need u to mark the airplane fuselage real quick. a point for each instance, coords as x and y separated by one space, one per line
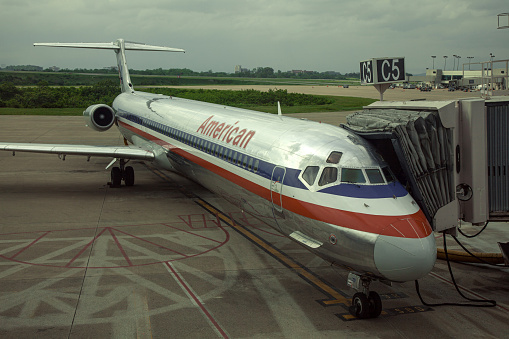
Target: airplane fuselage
318 184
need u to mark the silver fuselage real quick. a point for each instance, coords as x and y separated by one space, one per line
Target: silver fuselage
257 161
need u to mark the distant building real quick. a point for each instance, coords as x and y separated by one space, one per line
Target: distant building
239 69
473 79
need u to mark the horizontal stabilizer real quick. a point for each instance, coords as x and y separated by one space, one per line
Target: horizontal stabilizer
132 46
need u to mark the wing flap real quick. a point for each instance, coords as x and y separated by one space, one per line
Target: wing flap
120 152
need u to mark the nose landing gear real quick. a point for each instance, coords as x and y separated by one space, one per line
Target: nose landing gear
120 173
365 304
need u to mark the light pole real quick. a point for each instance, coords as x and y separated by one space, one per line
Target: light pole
445 61
454 61
469 62
433 57
458 67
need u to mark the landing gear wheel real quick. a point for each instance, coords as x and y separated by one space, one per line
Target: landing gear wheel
360 306
129 176
116 177
375 304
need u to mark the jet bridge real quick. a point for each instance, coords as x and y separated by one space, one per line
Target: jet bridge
451 155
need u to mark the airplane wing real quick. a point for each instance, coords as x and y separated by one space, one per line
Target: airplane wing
123 152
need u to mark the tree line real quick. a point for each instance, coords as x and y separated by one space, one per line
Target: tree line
257 72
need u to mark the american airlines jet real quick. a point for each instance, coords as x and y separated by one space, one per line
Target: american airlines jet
317 184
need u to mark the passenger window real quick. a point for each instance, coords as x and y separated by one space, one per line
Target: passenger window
329 175
334 157
310 173
388 174
374 176
352 175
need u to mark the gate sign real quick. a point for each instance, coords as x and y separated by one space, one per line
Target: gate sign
382 70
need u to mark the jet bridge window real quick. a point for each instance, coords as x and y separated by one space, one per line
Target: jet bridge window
310 173
374 176
329 175
352 175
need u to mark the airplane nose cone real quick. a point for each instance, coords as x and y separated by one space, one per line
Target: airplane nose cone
405 259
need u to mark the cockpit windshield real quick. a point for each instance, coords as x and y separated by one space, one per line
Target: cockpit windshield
334 157
329 174
352 175
388 174
310 173
374 176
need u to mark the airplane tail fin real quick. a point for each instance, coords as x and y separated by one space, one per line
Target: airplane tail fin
119 46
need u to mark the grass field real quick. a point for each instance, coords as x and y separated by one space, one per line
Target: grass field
338 104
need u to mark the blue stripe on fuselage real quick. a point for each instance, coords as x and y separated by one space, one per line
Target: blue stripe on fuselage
394 189
264 168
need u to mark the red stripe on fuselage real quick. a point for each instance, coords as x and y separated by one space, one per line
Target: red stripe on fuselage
409 226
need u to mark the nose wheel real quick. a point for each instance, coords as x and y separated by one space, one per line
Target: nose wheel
366 304
125 173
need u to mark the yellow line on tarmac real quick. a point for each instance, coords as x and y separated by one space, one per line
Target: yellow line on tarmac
336 297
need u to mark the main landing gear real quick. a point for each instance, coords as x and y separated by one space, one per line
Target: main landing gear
365 304
120 173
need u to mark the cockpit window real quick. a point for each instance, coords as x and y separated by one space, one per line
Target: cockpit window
334 157
310 174
329 175
388 174
374 176
352 175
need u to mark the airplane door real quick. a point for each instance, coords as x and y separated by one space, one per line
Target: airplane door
276 190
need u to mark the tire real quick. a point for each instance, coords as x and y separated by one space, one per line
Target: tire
360 306
129 176
116 177
375 304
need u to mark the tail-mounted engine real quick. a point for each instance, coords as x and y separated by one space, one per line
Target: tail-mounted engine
99 117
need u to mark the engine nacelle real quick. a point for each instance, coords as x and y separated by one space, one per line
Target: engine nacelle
99 117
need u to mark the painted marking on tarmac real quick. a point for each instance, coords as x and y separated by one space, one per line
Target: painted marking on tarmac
390 312
129 245
196 300
334 296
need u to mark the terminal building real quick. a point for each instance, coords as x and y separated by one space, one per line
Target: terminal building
491 76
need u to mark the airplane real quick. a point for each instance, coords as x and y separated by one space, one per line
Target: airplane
319 185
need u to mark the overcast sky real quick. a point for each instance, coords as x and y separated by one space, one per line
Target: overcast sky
320 35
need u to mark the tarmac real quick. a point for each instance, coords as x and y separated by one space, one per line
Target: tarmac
167 258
